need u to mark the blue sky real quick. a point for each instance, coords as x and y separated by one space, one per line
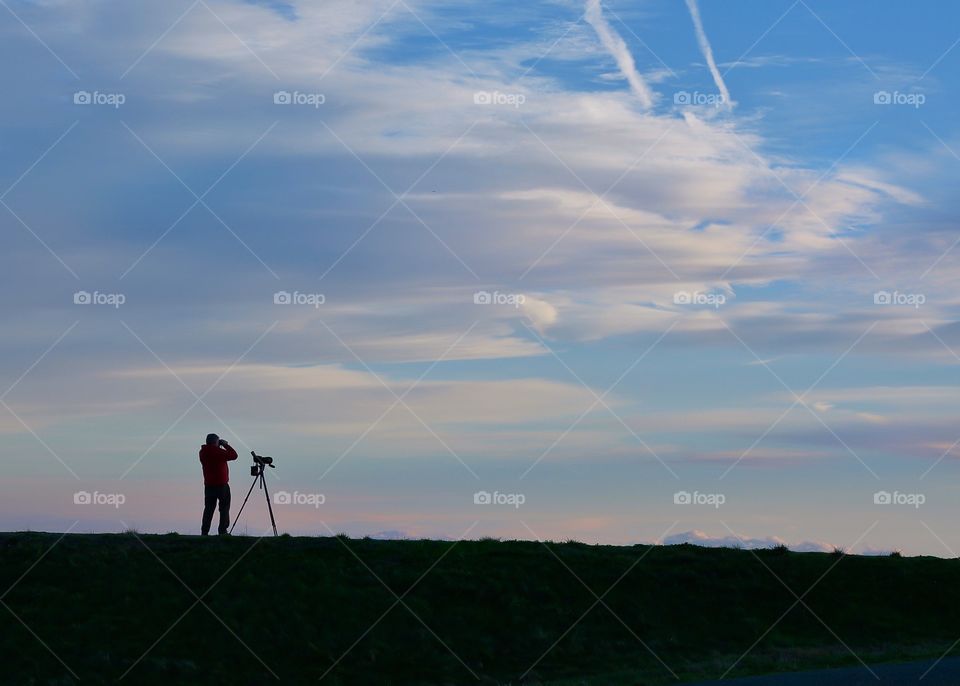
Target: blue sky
575 161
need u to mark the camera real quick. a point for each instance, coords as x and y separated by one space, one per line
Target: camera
259 462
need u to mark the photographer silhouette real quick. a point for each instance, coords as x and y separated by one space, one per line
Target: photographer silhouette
214 456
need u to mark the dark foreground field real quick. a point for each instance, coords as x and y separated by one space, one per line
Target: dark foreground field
180 609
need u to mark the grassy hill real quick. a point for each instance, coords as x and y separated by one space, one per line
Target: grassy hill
513 612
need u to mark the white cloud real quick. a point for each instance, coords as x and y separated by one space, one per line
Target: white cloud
618 49
541 313
708 52
696 537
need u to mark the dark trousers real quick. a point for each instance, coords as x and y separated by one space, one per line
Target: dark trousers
212 495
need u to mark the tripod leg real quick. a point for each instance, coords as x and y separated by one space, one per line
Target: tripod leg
240 511
263 482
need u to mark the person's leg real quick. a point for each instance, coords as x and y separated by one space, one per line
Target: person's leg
209 503
224 509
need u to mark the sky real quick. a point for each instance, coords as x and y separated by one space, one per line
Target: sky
610 271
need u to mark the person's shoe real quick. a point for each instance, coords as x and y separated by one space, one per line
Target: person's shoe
204 533
223 533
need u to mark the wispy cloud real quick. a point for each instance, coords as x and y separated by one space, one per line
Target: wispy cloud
708 52
615 46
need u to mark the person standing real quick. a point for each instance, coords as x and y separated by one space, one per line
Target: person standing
214 455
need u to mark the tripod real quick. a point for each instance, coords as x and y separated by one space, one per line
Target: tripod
259 462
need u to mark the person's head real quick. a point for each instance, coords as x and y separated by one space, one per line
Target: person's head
212 439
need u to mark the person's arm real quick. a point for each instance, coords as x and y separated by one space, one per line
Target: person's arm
231 454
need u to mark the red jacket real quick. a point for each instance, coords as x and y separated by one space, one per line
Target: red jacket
214 460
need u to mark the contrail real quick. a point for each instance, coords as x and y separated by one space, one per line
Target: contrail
708 52
615 46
